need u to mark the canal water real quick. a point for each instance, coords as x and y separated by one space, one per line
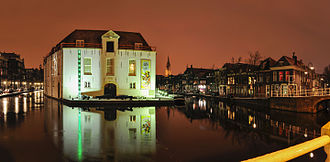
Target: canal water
34 128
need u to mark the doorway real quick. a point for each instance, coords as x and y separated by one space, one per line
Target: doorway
110 90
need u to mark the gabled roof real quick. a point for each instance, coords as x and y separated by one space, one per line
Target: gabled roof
267 63
288 61
239 67
94 36
200 72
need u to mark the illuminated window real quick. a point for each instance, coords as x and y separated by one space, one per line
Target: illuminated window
110 47
132 68
80 43
287 75
132 118
110 67
274 76
281 75
231 80
87 66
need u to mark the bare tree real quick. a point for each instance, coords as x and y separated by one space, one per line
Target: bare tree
326 73
237 61
255 58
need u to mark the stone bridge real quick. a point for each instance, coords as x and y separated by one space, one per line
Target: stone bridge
309 104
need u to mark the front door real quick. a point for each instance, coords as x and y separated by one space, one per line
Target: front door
110 90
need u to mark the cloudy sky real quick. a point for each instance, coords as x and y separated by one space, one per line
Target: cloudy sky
204 33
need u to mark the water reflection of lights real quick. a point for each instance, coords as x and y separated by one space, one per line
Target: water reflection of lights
24 104
5 106
311 154
305 134
231 115
16 105
254 125
202 104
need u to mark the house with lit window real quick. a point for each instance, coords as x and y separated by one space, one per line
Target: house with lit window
237 79
286 77
100 62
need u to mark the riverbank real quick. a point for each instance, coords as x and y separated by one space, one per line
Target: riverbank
309 104
109 103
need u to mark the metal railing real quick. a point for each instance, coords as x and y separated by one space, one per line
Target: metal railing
299 149
302 93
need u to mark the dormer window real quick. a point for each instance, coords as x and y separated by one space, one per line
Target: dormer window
138 46
80 43
110 46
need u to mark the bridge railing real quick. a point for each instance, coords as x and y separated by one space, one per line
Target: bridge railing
300 149
302 93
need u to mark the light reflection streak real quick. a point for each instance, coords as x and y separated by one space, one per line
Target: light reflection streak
16 105
79 149
24 104
5 106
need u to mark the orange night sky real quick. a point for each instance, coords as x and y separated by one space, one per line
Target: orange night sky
204 33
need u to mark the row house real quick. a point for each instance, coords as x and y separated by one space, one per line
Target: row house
237 79
286 77
13 73
198 80
193 80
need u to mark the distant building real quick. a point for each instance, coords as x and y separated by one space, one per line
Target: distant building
100 62
285 77
237 79
168 68
34 77
198 80
12 70
193 80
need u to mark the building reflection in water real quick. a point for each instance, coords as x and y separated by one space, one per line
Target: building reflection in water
14 108
278 125
102 135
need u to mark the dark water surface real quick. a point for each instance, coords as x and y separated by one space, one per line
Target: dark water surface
34 128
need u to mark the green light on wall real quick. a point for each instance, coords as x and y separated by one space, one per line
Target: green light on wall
79 72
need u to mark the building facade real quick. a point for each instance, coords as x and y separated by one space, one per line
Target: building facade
12 70
237 79
286 77
100 62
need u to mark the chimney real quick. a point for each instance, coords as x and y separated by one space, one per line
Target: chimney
190 66
295 58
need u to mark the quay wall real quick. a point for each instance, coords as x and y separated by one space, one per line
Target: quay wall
312 104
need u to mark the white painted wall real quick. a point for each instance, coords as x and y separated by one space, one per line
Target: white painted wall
70 71
122 70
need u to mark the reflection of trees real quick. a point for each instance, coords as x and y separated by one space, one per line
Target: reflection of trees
243 124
